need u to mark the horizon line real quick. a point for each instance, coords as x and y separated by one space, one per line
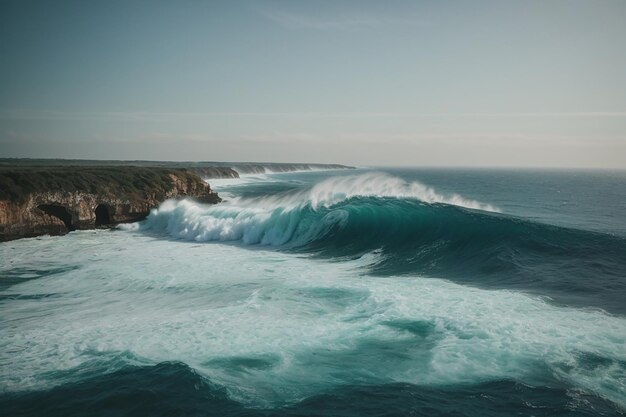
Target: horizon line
30 114
355 166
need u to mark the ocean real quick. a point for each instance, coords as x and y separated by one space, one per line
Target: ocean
367 292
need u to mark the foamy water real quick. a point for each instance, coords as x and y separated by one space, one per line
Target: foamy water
364 280
274 327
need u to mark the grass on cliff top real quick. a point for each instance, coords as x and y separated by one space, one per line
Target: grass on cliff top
17 182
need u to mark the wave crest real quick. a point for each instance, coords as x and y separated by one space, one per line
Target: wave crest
375 184
296 217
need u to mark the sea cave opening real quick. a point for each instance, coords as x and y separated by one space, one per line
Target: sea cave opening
59 212
103 215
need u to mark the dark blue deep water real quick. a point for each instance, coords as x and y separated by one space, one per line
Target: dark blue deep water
369 292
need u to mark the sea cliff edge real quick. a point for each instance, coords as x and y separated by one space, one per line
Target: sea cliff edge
55 200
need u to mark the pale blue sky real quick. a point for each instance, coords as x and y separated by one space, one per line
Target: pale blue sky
448 83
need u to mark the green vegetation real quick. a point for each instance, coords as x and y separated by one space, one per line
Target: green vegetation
16 182
20 177
226 167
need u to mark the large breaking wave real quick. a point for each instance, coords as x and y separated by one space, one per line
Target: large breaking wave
288 217
412 229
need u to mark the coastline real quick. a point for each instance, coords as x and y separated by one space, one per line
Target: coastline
52 196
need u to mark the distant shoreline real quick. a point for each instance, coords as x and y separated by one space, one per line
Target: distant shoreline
240 167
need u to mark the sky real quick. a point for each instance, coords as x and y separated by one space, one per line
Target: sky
408 83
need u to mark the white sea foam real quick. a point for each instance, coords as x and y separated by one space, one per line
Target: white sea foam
334 190
244 171
219 183
274 327
376 184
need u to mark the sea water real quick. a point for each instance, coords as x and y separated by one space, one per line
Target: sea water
357 292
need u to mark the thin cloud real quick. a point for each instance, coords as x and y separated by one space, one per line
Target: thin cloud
518 138
544 114
22 114
344 22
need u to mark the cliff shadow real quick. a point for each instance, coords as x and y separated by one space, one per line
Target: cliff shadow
103 215
59 212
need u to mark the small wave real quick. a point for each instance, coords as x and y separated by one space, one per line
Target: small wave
179 390
218 183
275 168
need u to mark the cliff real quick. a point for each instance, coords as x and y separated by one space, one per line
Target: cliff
54 200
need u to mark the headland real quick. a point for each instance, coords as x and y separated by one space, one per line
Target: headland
56 196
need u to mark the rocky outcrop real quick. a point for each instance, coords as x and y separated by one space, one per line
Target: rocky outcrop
76 198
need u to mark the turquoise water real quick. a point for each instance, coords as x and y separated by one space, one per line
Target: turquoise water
361 292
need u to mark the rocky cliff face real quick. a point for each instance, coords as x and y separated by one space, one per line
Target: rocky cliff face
58 210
